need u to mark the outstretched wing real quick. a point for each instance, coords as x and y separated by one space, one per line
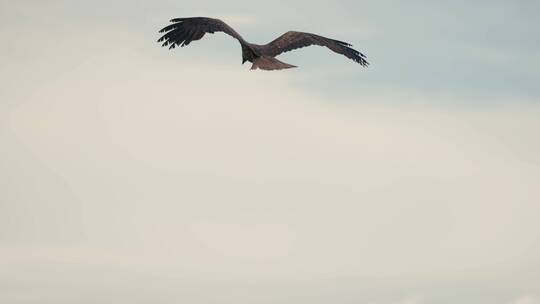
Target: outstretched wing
295 40
183 31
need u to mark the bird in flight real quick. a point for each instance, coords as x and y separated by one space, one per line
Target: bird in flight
183 31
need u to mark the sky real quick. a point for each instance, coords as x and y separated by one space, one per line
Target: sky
130 173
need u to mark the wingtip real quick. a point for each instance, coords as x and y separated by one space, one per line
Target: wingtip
343 43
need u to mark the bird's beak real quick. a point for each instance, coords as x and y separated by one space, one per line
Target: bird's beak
243 60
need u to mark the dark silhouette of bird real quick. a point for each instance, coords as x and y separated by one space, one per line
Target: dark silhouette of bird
183 31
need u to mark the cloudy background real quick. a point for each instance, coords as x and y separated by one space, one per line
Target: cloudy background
131 174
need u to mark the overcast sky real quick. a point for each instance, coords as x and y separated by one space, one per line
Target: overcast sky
133 174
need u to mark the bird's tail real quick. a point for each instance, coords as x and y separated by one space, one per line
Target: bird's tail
270 63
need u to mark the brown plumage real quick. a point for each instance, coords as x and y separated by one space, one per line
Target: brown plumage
183 31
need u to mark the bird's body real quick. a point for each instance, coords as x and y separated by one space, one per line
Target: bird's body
183 31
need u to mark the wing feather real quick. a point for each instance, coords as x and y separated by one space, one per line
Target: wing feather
295 40
183 31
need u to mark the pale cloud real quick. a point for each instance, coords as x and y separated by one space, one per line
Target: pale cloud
239 19
527 299
444 168
410 300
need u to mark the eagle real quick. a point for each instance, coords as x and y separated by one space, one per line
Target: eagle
183 31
